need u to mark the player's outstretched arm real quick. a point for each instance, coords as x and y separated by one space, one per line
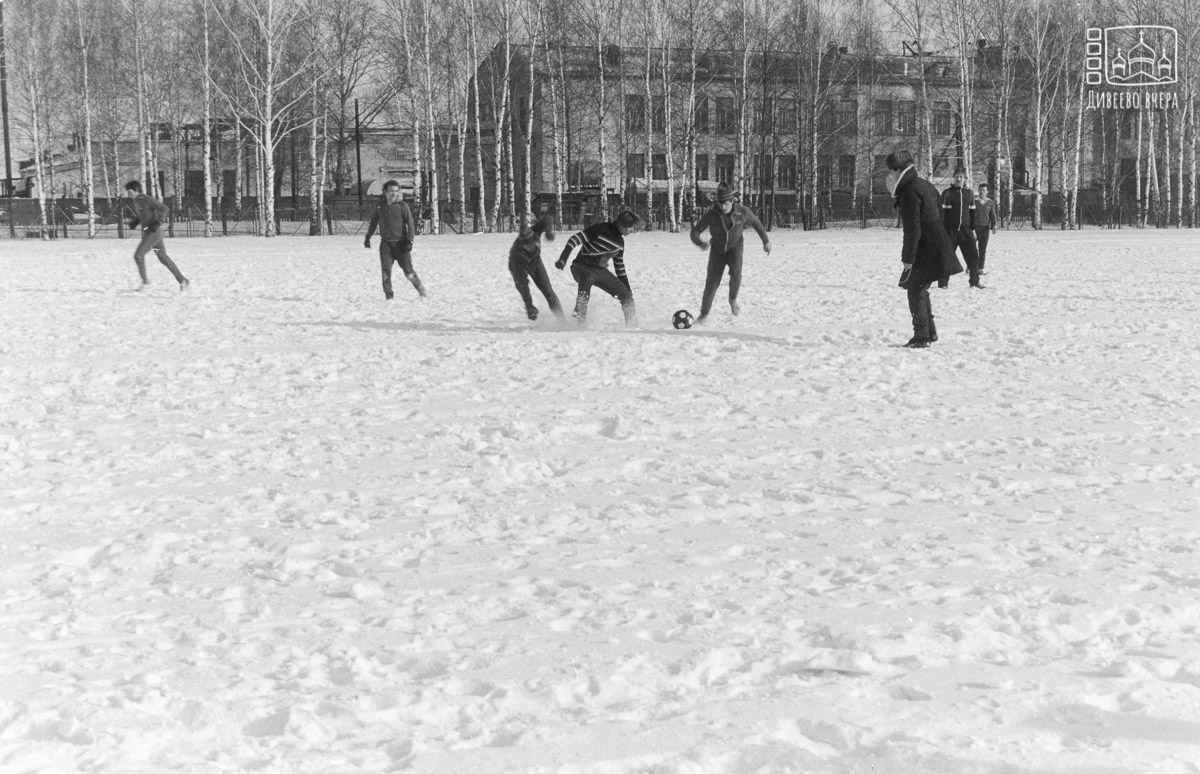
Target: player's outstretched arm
565 255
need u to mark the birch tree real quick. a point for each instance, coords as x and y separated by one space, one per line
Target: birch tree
663 19
556 84
914 20
84 33
601 15
352 61
473 38
264 33
206 124
695 19
35 87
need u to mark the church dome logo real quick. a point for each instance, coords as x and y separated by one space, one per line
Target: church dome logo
1133 55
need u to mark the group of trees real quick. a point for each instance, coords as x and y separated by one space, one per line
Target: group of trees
88 74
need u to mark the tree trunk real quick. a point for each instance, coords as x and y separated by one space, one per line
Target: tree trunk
1075 221
647 170
480 202
140 79
554 113
89 193
206 129
1183 121
743 102
673 223
239 162
527 167
601 114
500 121
38 155
316 224
434 197
1141 199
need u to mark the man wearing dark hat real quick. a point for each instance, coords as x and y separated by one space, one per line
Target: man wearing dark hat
725 221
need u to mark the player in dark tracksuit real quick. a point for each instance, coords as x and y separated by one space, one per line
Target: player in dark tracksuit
149 213
985 222
396 228
525 263
725 222
958 215
598 244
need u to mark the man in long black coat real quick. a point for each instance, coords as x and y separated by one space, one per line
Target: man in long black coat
927 254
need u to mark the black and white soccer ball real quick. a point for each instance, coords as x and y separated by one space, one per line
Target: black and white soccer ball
682 319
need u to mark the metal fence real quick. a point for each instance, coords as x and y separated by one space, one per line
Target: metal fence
67 218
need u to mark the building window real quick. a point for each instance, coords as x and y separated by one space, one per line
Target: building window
906 118
883 117
765 115
701 166
942 119
845 173
787 172
658 119
727 122
725 168
635 164
659 166
635 113
824 171
785 117
702 115
845 116
575 174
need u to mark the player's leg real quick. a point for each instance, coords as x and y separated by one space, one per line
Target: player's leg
520 277
612 285
386 257
537 271
734 259
712 281
584 293
145 245
406 266
918 307
160 250
966 243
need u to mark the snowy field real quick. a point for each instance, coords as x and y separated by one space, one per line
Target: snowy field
277 524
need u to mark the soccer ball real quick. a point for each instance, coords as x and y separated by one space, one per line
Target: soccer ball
682 319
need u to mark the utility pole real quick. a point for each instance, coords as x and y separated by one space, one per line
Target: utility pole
8 186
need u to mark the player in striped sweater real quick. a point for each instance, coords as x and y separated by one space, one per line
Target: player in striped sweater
598 244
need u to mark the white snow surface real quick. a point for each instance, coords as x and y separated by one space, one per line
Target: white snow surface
278 524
